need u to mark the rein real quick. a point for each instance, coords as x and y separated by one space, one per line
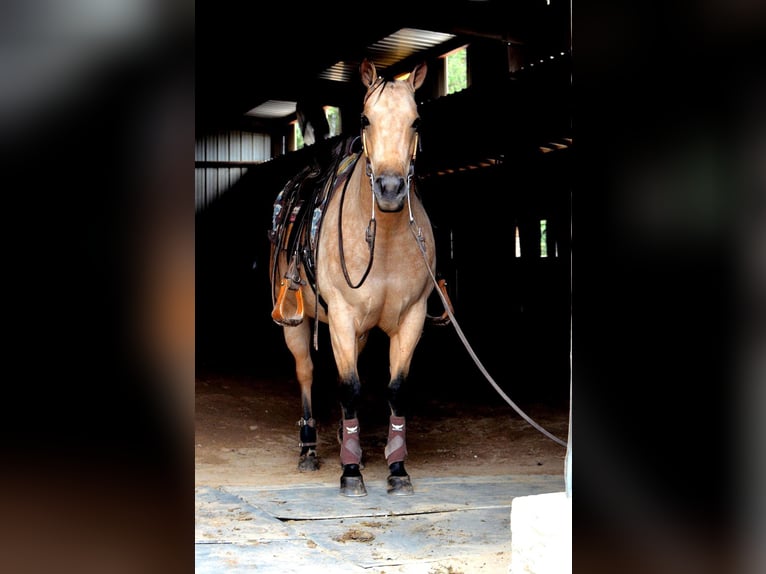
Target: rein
447 308
372 226
369 234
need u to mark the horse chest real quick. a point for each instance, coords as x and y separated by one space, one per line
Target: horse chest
378 302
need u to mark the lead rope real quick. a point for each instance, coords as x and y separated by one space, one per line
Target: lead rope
419 238
421 244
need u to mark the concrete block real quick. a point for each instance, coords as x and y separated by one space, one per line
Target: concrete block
541 534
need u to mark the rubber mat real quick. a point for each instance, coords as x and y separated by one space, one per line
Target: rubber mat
310 528
431 495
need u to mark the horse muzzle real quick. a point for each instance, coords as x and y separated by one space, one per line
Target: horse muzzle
390 192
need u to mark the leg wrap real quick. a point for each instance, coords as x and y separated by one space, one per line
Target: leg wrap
350 449
396 448
308 434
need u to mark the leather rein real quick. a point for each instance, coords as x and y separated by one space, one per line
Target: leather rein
372 226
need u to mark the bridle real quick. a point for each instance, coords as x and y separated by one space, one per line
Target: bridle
372 226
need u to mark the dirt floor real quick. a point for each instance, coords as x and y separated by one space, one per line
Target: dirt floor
247 434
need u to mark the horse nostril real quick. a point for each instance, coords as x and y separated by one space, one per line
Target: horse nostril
391 184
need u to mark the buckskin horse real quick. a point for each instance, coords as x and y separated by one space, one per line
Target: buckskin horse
352 246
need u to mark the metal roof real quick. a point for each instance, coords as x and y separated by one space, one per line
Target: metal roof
388 51
385 52
273 109
245 58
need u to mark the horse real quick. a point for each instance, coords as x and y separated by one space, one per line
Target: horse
353 247
312 121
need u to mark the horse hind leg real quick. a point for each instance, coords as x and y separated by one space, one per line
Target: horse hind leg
298 341
308 459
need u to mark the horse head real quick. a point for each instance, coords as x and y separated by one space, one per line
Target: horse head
390 134
312 121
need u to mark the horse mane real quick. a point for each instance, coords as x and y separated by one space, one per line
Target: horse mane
377 87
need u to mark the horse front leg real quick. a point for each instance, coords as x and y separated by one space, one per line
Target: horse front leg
351 481
346 351
298 341
401 351
399 482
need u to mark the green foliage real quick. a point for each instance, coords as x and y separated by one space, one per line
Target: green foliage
457 72
298 136
333 118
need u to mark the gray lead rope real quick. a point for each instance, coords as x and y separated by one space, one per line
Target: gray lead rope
419 238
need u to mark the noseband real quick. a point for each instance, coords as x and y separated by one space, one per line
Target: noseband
370 172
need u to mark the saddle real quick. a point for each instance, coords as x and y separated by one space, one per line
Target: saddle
296 223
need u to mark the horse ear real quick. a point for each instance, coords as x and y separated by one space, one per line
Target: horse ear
418 75
368 73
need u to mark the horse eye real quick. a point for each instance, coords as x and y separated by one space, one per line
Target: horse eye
416 124
365 121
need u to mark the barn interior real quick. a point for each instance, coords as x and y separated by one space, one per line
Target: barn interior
667 225
493 171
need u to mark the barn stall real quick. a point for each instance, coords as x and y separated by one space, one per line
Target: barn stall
494 175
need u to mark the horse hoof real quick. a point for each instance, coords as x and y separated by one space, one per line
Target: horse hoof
400 485
308 462
352 486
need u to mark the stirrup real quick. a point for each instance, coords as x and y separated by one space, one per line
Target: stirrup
288 310
444 319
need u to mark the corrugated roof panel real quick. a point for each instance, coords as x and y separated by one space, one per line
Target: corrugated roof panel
388 51
340 72
385 53
273 109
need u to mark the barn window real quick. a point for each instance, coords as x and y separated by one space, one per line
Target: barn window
543 238
332 114
297 135
456 70
333 118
